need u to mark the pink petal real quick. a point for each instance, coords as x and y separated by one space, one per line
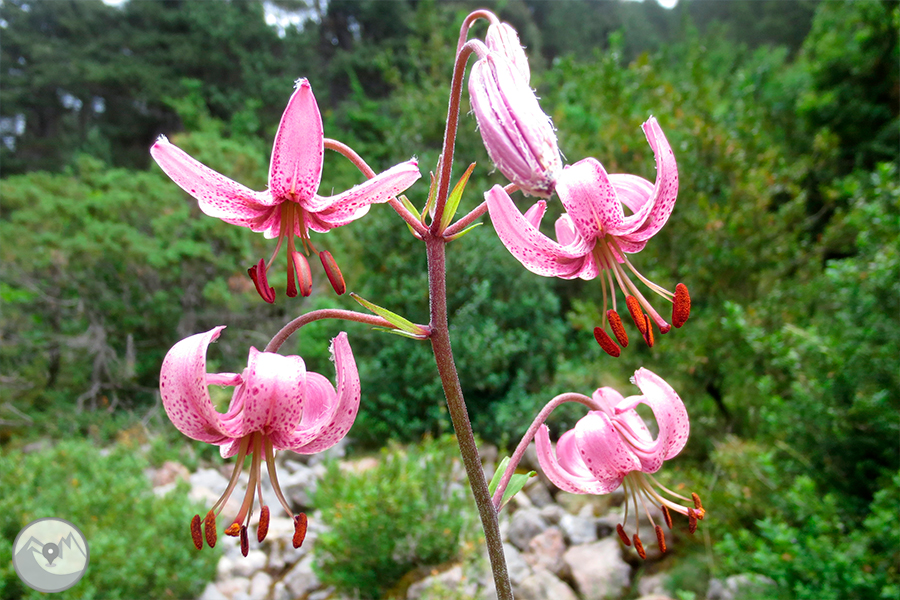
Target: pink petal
184 391
296 168
563 479
380 188
668 409
538 253
602 448
565 230
274 388
607 398
633 192
217 195
535 215
665 191
590 200
328 415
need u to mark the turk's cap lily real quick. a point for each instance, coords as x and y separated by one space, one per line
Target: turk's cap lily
595 235
518 136
613 446
277 405
291 206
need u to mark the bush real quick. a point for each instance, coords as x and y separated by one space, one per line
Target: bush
139 544
405 513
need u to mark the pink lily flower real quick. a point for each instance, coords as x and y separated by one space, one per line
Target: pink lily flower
277 405
291 206
612 447
594 234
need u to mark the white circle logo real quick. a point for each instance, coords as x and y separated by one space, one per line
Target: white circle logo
50 555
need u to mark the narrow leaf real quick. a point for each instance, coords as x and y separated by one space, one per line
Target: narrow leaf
400 332
392 318
463 232
498 475
516 483
455 197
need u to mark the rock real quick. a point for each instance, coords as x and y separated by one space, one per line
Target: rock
525 524
544 585
576 503
578 529
650 585
170 472
298 486
259 586
656 597
278 544
738 586
232 586
250 564
359 465
336 452
301 579
598 569
552 513
452 580
538 493
488 453
545 551
211 592
224 568
516 566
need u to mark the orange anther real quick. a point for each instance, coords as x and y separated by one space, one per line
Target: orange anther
300 523
233 530
681 305
692 521
660 539
667 516
637 315
639 546
647 332
263 524
696 500
606 342
615 323
209 526
621 531
196 534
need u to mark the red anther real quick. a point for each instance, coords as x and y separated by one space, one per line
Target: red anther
660 539
621 531
299 529
681 305
665 328
696 500
639 546
196 534
209 526
637 315
692 521
606 342
333 272
234 529
263 524
245 543
647 332
615 323
304 274
258 275
667 516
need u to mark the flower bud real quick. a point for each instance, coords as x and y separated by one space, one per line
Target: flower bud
502 38
517 134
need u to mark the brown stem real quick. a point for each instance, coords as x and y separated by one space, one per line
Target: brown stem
477 212
317 315
469 21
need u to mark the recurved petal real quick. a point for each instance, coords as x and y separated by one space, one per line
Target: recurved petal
538 253
296 168
328 414
601 446
535 214
589 198
217 195
184 391
665 190
581 483
380 188
274 387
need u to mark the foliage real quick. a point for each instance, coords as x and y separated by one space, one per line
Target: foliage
407 512
138 541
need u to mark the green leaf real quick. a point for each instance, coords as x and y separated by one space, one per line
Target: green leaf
463 232
516 482
411 208
400 332
455 197
392 318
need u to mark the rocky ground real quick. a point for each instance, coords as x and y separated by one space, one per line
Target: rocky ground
557 548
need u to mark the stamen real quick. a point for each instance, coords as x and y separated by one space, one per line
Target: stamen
258 275
648 331
304 274
692 521
234 529
606 342
681 306
615 323
622 535
273 478
697 503
300 523
196 534
661 539
245 543
263 524
637 314
333 272
667 516
209 526
639 547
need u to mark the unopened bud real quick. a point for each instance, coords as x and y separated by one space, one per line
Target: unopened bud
502 38
517 134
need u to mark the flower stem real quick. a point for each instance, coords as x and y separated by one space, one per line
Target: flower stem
443 356
317 315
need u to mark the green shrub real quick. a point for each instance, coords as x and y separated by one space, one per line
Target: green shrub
407 512
140 545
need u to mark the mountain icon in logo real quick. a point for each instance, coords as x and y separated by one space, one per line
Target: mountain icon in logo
50 555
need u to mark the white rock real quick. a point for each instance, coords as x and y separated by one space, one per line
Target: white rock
452 580
232 586
598 569
545 551
211 592
516 566
652 584
525 524
301 579
578 529
259 586
552 513
544 585
538 493
737 586
250 564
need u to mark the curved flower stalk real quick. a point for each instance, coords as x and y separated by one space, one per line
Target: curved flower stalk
612 446
594 235
517 134
277 405
291 206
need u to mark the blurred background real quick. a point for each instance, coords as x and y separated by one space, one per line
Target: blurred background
783 117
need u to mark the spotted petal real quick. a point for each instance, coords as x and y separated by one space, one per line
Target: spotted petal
299 150
538 253
575 477
602 448
273 390
184 391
